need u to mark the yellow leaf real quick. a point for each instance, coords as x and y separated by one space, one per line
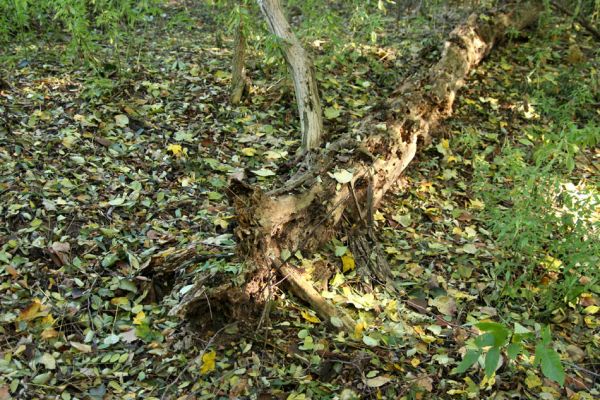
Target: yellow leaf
418 330
208 362
591 322
358 329
176 149
139 318
309 317
49 333
477 204
48 320
532 381
34 310
415 362
591 310
119 301
249 151
348 263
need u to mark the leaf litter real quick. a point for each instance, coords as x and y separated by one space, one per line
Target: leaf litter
98 178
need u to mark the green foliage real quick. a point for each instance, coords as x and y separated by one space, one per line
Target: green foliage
546 225
496 338
88 23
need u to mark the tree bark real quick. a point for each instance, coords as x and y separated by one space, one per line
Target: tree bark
238 71
303 214
302 71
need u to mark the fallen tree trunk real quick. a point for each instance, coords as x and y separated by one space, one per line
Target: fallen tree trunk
303 213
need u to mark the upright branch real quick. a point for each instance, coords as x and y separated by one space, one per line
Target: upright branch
302 70
238 72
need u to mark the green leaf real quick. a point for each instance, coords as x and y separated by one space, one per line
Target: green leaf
546 335
337 322
521 330
491 360
117 201
551 365
498 331
513 350
109 260
331 113
485 340
121 120
470 358
369 341
340 250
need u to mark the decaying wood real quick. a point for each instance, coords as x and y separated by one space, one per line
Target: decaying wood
270 223
305 212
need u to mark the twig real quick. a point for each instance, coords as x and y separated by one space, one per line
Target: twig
583 369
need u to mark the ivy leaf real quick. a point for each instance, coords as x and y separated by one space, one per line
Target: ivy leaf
551 365
470 358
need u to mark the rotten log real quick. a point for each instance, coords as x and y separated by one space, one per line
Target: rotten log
303 214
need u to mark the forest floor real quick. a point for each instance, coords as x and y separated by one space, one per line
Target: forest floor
497 220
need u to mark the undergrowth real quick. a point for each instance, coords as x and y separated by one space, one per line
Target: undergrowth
543 213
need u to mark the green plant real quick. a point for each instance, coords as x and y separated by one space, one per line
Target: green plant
497 338
88 23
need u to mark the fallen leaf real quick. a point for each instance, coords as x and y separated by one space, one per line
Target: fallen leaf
263 172
378 381
348 263
139 318
84 348
121 120
176 150
208 362
342 176
445 304
248 151
309 317
35 310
